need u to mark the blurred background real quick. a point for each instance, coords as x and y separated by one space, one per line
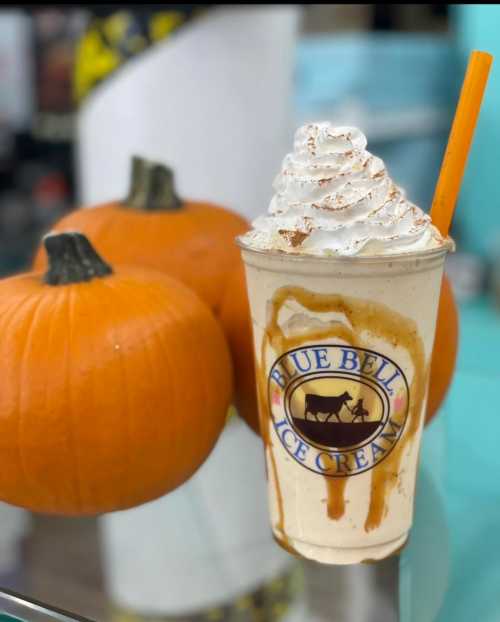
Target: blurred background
217 91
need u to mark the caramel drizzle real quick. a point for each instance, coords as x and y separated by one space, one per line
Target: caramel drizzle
381 322
265 429
335 487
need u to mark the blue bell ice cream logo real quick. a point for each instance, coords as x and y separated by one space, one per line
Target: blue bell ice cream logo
337 410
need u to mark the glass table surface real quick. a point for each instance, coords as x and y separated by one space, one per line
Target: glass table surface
18 608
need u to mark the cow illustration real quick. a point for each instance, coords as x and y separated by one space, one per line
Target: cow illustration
321 404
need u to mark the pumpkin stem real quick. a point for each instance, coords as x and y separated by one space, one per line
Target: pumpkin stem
151 187
72 259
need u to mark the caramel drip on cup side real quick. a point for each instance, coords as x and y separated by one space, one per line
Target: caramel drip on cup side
381 322
335 488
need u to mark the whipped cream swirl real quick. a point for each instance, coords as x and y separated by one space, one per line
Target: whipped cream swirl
333 197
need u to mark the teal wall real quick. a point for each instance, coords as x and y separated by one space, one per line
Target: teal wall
478 210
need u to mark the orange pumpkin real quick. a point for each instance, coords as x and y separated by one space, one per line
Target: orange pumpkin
445 350
153 228
115 383
235 318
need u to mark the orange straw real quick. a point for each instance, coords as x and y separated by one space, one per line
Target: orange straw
459 142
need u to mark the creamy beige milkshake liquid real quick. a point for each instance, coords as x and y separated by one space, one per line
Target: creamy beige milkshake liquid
337 326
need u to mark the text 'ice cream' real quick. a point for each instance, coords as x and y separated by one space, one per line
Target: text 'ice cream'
333 197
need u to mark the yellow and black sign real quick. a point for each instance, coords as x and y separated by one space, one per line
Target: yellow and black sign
111 40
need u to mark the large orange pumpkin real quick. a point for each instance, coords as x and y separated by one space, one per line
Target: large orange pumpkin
153 228
235 318
115 383
445 350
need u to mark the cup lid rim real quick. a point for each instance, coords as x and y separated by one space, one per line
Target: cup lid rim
447 247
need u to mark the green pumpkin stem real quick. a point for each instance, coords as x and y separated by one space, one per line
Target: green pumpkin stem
151 187
72 259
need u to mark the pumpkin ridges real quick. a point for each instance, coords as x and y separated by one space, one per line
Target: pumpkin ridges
190 342
69 480
20 401
119 422
176 396
157 337
106 307
128 413
56 311
71 421
91 386
170 404
20 472
71 431
27 374
12 394
50 336
178 341
167 361
119 427
200 434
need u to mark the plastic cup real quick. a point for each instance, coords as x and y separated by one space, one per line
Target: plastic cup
342 351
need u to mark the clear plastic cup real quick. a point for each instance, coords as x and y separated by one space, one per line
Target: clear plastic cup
342 351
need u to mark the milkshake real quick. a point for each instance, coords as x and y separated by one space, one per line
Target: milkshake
343 277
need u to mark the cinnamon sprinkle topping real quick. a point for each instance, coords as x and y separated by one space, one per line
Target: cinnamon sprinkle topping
293 238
